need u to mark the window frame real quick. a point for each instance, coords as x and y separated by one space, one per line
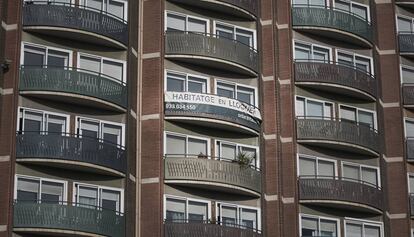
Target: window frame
187 75
316 158
187 200
375 127
235 28
360 166
410 120
402 66
20 115
409 174
318 101
238 147
239 207
312 45
83 4
338 222
186 20
367 7
364 222
41 179
186 136
236 85
406 18
46 48
354 55
101 58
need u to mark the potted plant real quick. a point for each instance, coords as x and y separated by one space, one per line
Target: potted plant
201 156
244 159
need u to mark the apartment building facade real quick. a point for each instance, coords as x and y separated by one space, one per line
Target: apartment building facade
207 118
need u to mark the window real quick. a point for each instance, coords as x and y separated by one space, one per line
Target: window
407 74
183 145
355 172
117 8
409 128
313 167
186 83
242 35
359 10
33 189
110 68
411 183
91 196
318 226
238 216
178 209
311 52
361 117
309 2
405 24
235 91
31 120
179 22
41 56
230 151
314 109
362 229
107 131
356 61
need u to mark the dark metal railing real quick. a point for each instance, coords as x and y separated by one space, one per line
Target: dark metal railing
340 189
334 73
320 128
188 228
408 93
68 216
329 17
409 148
203 168
70 147
406 41
44 13
202 44
411 197
73 80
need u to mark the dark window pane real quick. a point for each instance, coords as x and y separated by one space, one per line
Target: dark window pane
109 204
110 138
33 59
50 198
26 196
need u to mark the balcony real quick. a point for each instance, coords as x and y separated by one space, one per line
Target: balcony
73 86
338 135
205 229
406 43
74 22
336 78
211 174
69 151
339 192
210 51
405 3
240 8
212 111
66 220
333 23
408 95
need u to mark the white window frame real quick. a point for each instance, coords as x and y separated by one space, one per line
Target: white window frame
187 200
319 101
105 8
186 136
41 179
186 20
360 166
371 64
401 71
407 119
338 222
358 4
238 147
256 98
21 110
46 48
316 158
359 109
99 187
124 69
364 222
239 207
312 45
408 182
405 17
235 28
187 75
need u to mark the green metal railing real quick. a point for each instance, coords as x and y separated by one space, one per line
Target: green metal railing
75 81
323 16
406 41
68 216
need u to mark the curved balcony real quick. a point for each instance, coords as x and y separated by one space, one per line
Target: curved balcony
334 23
66 219
206 229
210 51
336 78
212 111
340 192
405 3
240 8
406 43
340 135
74 85
70 151
212 174
74 22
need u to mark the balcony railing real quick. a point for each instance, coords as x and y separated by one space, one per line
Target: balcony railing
214 171
406 42
212 46
338 74
70 147
68 216
408 94
335 130
340 189
67 15
73 81
409 148
206 229
328 17
411 204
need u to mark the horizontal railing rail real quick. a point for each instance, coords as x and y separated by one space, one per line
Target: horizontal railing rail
45 13
408 93
210 170
406 41
340 189
70 147
375 185
330 17
335 73
335 129
204 44
68 216
73 80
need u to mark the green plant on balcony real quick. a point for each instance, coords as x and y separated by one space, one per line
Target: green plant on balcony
244 159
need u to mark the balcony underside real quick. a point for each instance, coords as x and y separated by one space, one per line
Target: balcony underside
337 145
405 3
54 232
337 89
344 205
